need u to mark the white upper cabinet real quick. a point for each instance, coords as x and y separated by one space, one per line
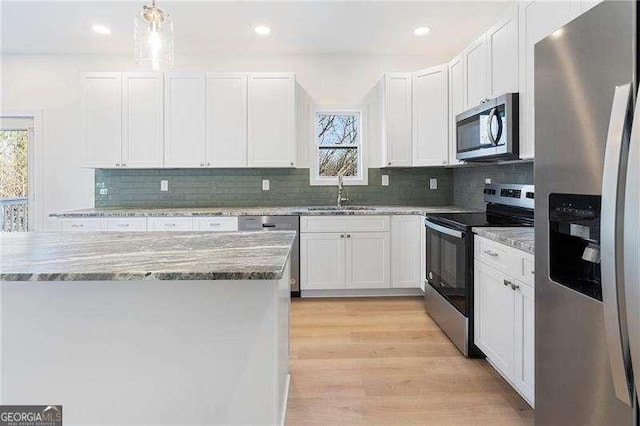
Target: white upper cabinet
271 126
475 60
143 130
226 120
184 107
502 50
396 118
537 20
457 91
430 117
102 93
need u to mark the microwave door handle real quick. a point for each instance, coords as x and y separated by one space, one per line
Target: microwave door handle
610 226
632 245
443 229
489 121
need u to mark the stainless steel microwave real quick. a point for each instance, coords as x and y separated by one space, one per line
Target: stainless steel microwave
489 132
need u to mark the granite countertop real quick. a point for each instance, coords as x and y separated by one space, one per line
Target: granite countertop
518 237
119 256
257 211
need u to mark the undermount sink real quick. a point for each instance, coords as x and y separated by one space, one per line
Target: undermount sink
336 208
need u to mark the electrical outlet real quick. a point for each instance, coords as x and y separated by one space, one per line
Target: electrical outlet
385 180
265 184
164 185
487 181
433 183
104 191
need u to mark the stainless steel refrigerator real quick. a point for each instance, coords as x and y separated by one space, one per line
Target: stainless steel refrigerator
587 178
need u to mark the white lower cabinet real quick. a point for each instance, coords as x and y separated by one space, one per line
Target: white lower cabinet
406 251
322 260
354 257
137 224
368 260
504 318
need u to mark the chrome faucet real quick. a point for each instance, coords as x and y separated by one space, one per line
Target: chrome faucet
340 189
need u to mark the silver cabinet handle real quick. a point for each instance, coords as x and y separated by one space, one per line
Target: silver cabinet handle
611 265
77 225
341 235
215 224
170 225
201 164
117 164
490 253
507 283
348 235
208 164
514 286
122 225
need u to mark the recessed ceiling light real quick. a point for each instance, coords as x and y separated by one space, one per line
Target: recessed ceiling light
420 31
262 30
101 29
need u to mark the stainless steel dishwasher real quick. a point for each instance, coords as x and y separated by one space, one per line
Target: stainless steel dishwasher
278 223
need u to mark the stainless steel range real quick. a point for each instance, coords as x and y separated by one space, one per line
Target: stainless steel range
449 283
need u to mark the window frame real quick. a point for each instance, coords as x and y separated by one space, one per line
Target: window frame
314 172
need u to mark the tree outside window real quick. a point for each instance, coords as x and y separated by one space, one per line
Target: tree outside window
338 146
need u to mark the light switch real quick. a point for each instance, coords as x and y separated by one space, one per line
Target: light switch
433 183
385 180
164 185
265 184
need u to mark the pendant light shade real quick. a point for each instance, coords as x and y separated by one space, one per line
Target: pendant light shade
154 37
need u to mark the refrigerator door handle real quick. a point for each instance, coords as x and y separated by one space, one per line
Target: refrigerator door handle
632 245
610 228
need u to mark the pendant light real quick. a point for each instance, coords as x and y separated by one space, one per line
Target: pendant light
154 37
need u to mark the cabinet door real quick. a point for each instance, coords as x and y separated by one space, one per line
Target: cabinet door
475 59
226 120
502 48
271 120
494 316
456 102
367 260
524 367
184 119
172 224
102 93
406 237
397 119
537 19
143 124
430 117
322 261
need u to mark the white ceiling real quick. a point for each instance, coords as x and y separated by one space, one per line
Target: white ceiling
317 27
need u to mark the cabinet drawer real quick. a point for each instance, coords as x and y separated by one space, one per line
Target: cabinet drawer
344 223
171 224
81 225
498 255
215 223
129 224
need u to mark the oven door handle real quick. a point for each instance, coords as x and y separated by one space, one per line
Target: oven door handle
443 229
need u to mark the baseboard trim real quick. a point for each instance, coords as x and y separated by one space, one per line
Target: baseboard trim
378 292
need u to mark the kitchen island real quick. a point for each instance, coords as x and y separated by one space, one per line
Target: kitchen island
147 328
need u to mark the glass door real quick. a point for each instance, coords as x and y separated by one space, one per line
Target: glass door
446 264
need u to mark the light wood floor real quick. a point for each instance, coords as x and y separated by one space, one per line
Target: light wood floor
384 361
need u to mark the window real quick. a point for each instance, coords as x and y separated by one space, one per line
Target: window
338 147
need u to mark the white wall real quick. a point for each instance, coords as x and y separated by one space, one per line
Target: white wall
52 82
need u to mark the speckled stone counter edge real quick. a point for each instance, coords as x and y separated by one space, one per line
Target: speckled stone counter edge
512 237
